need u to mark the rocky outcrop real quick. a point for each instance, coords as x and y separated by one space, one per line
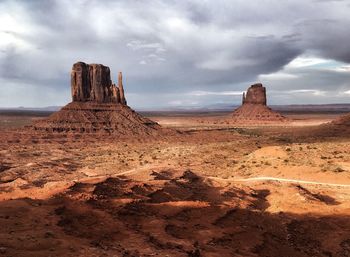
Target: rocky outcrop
254 109
92 82
97 105
256 94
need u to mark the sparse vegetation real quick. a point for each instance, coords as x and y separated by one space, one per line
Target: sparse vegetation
338 169
212 156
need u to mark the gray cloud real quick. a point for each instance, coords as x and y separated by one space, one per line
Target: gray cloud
168 49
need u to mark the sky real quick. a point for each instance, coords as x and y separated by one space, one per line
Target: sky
177 53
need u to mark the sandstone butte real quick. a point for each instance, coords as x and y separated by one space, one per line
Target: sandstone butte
97 105
254 109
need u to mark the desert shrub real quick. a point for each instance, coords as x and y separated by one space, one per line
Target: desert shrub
284 139
338 169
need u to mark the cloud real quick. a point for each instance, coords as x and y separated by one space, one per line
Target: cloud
206 93
138 45
169 49
308 79
277 76
308 91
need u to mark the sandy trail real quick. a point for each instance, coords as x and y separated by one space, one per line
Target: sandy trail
281 180
46 192
251 179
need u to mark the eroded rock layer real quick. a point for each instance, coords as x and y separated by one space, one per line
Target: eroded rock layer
98 117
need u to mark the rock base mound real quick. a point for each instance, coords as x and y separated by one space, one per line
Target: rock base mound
93 117
252 113
340 127
343 120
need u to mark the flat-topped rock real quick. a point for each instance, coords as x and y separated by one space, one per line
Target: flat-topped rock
256 94
92 82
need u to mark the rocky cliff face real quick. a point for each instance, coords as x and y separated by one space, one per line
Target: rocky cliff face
92 82
256 94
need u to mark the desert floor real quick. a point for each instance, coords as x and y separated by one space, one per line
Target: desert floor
211 189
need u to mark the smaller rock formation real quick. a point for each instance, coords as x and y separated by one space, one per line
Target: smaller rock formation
254 108
121 89
339 127
243 98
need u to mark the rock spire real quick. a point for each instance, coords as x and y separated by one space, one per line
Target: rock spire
121 88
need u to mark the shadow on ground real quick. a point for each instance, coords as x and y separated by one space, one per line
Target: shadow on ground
171 215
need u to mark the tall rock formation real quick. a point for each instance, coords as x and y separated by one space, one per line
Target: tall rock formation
256 94
254 108
97 105
92 82
121 88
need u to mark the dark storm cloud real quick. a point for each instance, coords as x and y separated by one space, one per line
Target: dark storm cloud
168 49
327 37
